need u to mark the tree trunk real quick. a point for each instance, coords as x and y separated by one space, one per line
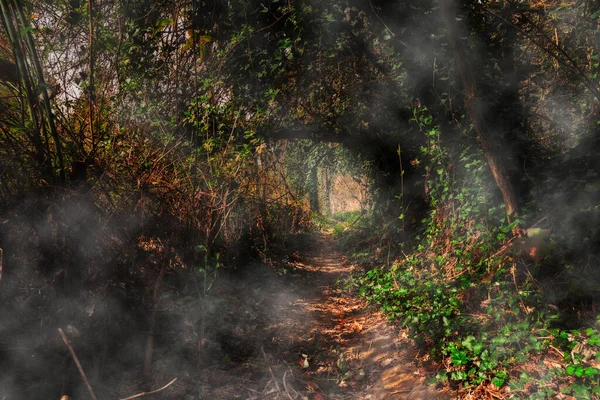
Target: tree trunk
473 107
313 191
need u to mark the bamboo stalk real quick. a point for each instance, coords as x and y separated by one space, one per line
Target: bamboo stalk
25 80
39 72
91 88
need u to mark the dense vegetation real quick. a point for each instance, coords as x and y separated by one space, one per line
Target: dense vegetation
145 144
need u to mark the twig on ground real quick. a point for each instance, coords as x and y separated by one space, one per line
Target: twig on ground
493 394
271 392
401 391
270 370
560 353
287 391
266 386
79 367
264 393
148 393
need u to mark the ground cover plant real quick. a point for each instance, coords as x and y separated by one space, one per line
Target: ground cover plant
173 175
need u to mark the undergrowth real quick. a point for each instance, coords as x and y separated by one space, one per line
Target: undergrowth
339 224
469 293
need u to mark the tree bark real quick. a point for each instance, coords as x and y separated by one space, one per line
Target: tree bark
473 107
313 195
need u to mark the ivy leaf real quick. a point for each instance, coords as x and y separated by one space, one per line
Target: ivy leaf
459 357
498 381
581 392
576 370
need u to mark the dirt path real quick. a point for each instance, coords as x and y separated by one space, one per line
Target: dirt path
316 341
368 357
282 331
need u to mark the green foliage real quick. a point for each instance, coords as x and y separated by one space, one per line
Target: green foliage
460 294
342 225
323 222
581 375
437 291
347 216
430 310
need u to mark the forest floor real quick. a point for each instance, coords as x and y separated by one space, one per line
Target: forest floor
280 330
310 339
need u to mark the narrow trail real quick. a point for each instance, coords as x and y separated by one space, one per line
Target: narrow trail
276 332
368 358
318 342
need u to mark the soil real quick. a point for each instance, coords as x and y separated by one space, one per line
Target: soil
285 330
310 339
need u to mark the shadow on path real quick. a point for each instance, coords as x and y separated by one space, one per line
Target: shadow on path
341 348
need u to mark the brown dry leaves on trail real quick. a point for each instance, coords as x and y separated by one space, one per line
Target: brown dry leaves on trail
285 332
319 342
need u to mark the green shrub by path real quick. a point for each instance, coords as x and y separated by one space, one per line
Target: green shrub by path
347 216
484 331
469 296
